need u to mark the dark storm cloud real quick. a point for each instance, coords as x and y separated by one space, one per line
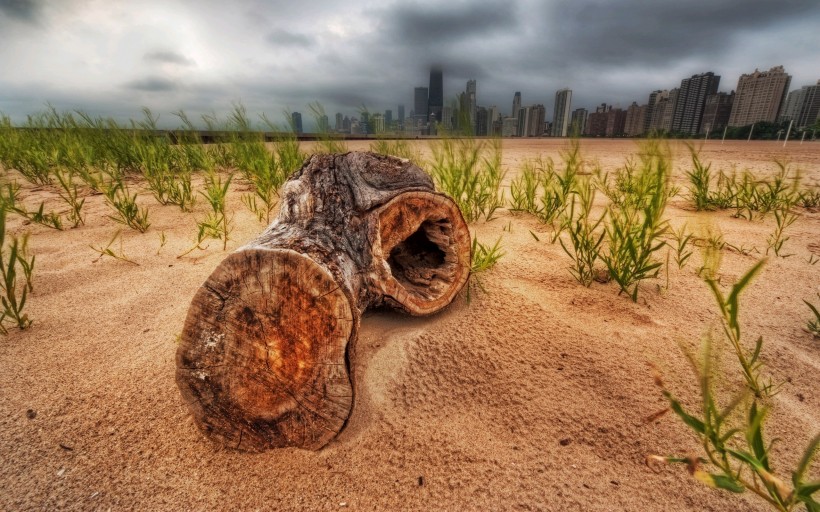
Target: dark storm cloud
281 37
152 84
638 33
21 10
411 24
168 57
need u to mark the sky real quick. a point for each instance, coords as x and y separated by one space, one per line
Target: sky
111 58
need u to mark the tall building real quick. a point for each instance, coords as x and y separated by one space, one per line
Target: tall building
531 121
615 122
364 124
716 112
388 119
759 96
339 122
470 94
447 117
803 106
560 116
482 122
509 127
435 101
516 106
578 122
634 120
691 100
650 109
663 111
376 123
401 117
323 124
296 122
420 96
494 114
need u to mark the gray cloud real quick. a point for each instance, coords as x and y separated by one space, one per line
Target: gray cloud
281 37
633 31
413 24
274 56
152 84
168 57
22 10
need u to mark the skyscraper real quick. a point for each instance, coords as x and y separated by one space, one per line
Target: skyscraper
802 106
716 112
388 119
635 116
339 122
654 97
516 106
560 117
435 100
691 100
470 92
420 95
578 123
759 96
296 122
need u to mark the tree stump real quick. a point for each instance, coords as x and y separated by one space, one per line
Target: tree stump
264 356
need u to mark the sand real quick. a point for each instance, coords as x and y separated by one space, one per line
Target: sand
531 397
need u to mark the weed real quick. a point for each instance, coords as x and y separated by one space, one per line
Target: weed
636 225
398 147
163 239
729 309
216 224
809 197
813 326
469 171
483 258
682 240
783 219
50 219
586 242
699 177
12 297
128 212
739 468
108 251
70 194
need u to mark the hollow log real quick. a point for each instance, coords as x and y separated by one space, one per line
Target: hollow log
263 360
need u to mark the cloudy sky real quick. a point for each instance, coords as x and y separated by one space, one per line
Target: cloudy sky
113 57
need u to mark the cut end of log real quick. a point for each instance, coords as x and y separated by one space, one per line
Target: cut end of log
262 357
426 244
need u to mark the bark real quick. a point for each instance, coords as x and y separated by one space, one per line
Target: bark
263 361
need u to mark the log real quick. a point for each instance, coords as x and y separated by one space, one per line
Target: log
264 357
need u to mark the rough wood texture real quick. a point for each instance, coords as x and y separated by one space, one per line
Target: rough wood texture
263 357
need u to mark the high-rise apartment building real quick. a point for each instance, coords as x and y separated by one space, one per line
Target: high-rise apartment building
634 121
296 122
435 101
803 106
578 122
560 117
516 106
691 100
509 127
420 96
388 119
482 122
716 112
339 122
470 93
531 121
759 96
615 122
654 97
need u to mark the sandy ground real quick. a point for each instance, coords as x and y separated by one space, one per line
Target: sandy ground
531 397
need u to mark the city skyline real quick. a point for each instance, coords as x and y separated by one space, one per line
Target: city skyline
112 59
